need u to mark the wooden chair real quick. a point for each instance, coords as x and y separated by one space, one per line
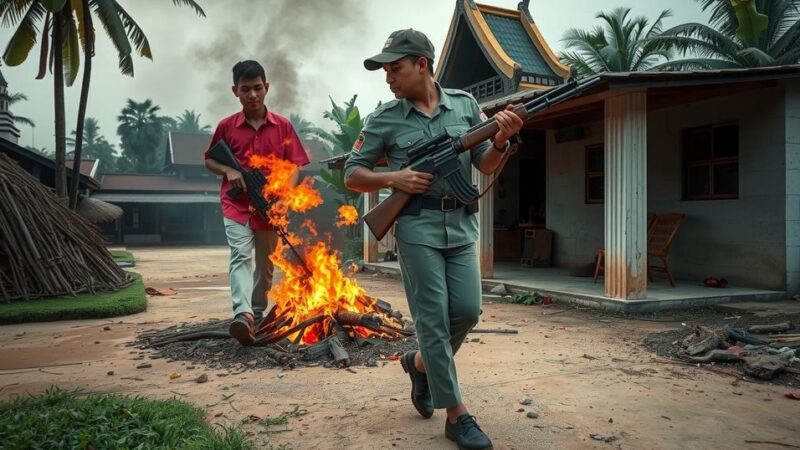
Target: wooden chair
659 242
599 267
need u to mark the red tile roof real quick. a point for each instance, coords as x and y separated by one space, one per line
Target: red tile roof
88 166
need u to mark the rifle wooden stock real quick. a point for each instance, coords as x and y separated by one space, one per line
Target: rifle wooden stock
488 129
381 218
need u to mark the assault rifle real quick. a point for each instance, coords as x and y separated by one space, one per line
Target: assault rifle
254 180
439 155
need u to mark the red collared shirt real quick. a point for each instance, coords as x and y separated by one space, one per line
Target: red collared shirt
275 137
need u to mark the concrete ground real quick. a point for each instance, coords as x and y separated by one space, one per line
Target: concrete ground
586 374
561 284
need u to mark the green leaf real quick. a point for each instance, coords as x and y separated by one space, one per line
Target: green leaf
107 12
70 51
24 38
192 4
751 22
135 34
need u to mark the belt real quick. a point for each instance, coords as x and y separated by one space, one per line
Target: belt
445 204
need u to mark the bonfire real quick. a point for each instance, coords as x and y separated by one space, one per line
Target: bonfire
318 303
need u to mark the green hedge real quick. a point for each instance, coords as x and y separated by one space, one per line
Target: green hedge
62 419
128 300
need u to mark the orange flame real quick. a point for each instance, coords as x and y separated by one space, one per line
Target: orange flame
298 296
348 215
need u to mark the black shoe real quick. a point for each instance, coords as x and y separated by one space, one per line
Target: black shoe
241 329
467 434
420 393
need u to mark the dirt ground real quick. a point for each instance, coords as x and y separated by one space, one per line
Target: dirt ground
587 373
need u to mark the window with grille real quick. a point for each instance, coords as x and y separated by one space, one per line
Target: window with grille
595 174
711 162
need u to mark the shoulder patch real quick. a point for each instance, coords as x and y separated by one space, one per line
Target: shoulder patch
359 142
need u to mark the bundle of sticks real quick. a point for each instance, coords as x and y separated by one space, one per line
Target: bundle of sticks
46 249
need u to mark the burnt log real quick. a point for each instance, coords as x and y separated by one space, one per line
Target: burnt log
316 351
353 319
340 357
275 337
775 328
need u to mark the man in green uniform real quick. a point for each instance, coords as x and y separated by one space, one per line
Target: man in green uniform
436 234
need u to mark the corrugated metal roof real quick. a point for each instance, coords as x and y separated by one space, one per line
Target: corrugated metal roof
517 44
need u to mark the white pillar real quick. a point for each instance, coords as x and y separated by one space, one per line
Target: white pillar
370 243
626 195
485 224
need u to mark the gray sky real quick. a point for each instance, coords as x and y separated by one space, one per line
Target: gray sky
311 50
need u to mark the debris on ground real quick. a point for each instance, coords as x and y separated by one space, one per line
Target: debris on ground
500 289
608 438
758 349
224 352
156 291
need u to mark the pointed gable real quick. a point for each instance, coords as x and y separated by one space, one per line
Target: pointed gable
491 52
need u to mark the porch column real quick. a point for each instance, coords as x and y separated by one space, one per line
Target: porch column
485 224
626 195
370 243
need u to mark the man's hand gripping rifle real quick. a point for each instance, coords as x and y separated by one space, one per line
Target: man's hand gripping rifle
439 156
255 181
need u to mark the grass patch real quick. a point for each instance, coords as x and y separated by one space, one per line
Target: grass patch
65 419
124 258
128 300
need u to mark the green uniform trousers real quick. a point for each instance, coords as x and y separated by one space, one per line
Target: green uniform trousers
443 287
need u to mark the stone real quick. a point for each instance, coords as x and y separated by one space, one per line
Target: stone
500 289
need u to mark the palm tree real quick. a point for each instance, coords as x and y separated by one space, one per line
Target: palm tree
620 45
189 122
741 33
95 145
16 98
68 24
140 130
304 128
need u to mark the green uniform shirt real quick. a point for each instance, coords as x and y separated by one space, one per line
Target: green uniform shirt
397 126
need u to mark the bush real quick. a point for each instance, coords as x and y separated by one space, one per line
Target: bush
62 419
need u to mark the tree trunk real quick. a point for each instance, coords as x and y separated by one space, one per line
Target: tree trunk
88 52
58 95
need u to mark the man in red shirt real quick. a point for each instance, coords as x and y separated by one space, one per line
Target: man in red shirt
253 130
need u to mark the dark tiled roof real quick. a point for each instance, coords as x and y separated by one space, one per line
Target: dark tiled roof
517 44
169 183
86 168
19 153
187 148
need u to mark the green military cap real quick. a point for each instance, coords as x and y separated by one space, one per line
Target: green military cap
399 44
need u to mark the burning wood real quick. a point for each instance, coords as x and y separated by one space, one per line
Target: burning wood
318 305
